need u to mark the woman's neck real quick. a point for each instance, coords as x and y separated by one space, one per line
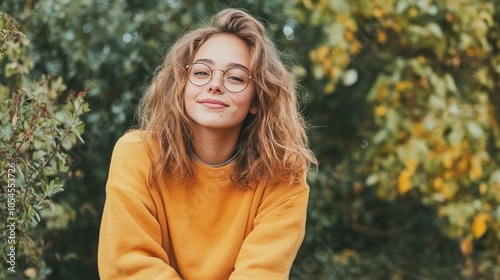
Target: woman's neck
214 147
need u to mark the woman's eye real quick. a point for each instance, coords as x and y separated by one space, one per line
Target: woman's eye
201 73
235 79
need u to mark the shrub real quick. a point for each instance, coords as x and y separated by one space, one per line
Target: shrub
39 126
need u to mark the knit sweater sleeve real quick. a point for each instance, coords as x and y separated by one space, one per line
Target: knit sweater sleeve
278 231
130 241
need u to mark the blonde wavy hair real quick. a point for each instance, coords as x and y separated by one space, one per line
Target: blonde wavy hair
273 143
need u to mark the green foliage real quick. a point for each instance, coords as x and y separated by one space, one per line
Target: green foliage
38 128
112 47
426 129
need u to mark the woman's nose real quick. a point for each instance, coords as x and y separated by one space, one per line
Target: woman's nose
216 85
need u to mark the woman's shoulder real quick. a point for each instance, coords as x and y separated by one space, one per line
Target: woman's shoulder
134 142
133 137
286 188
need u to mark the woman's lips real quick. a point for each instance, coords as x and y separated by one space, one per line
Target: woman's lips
213 104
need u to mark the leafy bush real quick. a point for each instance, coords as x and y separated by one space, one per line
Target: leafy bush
113 48
416 81
39 126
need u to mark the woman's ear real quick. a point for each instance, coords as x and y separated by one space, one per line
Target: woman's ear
255 104
253 110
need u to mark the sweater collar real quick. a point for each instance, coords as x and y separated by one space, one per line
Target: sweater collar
214 171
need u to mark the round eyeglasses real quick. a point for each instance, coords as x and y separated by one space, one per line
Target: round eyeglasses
234 79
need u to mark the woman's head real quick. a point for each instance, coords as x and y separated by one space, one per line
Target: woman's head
220 92
273 137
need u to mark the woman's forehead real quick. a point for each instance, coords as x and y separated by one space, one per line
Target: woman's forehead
224 50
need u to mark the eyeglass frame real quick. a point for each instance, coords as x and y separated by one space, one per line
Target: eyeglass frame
222 77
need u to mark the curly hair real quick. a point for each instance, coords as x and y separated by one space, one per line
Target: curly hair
273 143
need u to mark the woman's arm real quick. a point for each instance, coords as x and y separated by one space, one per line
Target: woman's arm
271 247
130 235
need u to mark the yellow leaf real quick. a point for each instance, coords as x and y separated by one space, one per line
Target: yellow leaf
449 190
342 18
476 171
448 160
377 12
466 246
327 65
403 86
404 181
329 88
479 226
382 92
380 111
350 24
487 206
463 165
334 72
448 175
349 36
411 165
483 188
322 52
438 183
413 12
381 37
417 129
355 47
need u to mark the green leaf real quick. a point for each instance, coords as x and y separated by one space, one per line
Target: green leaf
435 29
437 102
475 129
372 180
77 133
450 82
66 144
318 72
380 136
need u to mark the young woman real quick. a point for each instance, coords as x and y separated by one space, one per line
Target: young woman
212 185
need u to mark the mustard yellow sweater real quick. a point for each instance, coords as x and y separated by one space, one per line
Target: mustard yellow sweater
210 229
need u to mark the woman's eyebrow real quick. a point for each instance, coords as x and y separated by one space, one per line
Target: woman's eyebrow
211 62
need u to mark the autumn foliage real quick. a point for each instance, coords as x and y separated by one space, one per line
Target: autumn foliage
431 130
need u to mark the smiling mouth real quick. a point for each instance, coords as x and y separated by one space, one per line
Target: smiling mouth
213 104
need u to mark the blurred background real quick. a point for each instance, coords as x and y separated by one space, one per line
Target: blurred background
403 99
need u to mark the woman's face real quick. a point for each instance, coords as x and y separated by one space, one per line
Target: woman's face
212 105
